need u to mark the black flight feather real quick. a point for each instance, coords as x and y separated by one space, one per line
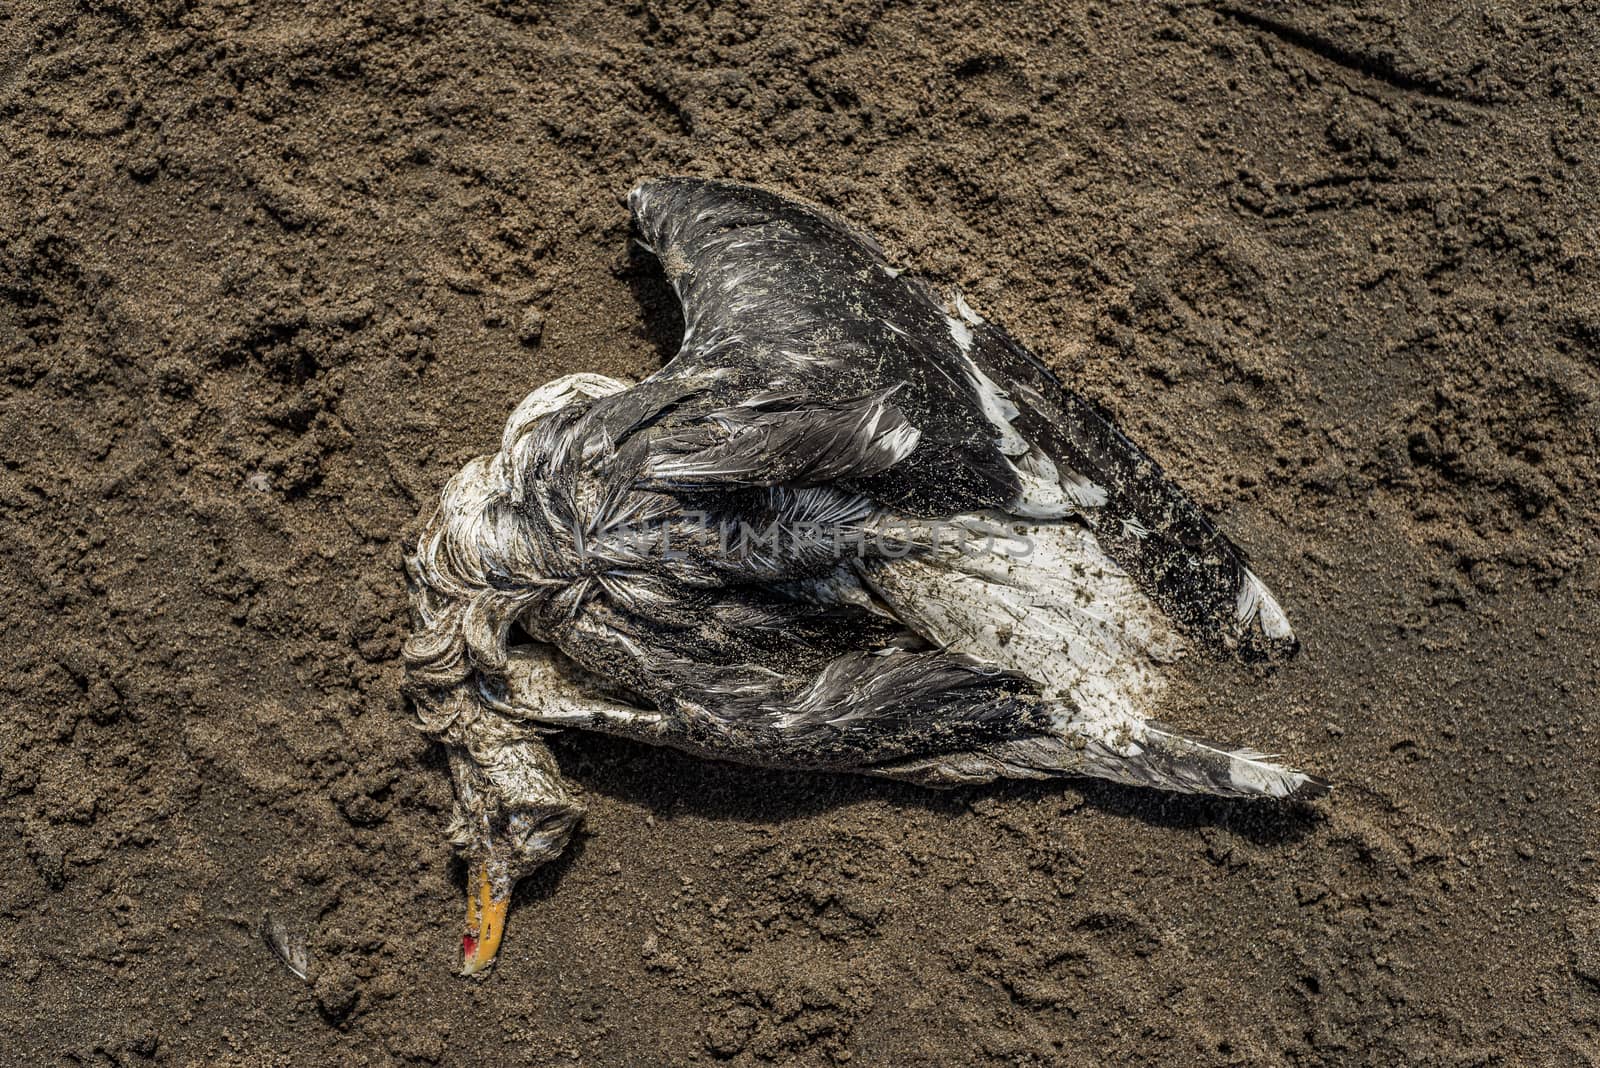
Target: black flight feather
779 294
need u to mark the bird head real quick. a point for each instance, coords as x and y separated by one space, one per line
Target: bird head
513 813
483 563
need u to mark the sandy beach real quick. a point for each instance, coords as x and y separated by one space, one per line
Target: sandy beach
270 272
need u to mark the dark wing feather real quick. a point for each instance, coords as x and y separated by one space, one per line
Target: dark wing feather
784 439
759 682
780 295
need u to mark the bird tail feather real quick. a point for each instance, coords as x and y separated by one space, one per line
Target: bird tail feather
1170 760
1145 754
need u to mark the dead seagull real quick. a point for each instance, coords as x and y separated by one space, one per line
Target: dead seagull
848 527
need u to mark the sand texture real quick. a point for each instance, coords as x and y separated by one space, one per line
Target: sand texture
270 272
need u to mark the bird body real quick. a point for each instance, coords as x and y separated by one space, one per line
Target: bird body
850 526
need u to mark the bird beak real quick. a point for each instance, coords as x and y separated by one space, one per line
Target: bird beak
486 921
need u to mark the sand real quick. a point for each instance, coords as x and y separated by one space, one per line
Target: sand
270 272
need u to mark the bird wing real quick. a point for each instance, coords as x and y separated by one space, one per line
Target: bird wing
818 359
755 681
779 296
